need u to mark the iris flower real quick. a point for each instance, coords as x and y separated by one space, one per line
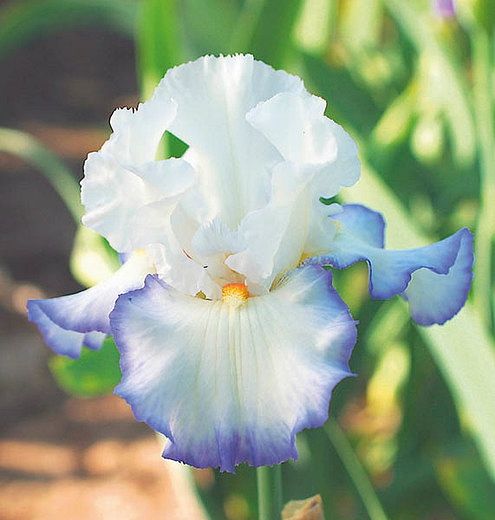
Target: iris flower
230 333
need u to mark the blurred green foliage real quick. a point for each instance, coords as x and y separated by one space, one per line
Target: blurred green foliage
415 89
94 373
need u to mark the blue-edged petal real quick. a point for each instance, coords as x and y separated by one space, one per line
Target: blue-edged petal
64 342
446 264
435 298
69 322
232 383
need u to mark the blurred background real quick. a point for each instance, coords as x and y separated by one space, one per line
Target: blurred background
413 436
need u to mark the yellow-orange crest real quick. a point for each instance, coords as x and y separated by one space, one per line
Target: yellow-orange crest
235 293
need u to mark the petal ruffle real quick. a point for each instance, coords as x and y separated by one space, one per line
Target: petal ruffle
292 226
69 322
319 158
137 132
131 206
435 279
213 96
296 125
62 341
230 384
435 298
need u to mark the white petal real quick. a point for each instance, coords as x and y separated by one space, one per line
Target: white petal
131 206
213 96
295 124
183 272
288 229
215 237
230 384
137 133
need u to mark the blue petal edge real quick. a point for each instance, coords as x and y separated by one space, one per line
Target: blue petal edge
436 298
62 341
229 446
448 262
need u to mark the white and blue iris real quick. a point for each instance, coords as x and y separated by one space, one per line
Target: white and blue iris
231 335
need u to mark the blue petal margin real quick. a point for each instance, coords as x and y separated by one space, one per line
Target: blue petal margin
69 322
435 298
62 341
434 279
59 334
233 384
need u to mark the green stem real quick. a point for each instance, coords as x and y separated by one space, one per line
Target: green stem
355 470
269 481
483 106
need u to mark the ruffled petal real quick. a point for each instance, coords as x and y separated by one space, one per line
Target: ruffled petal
62 341
296 125
215 237
183 272
435 298
446 265
318 159
68 322
137 132
233 383
126 192
213 96
289 228
130 206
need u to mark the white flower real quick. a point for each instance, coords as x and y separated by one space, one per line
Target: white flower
237 338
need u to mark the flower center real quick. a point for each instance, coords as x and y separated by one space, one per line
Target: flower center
235 293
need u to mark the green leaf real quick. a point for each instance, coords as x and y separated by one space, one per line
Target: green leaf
158 41
349 103
361 32
21 22
418 28
159 47
464 352
208 26
465 482
316 25
94 373
265 27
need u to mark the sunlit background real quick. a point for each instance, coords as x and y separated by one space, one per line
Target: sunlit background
413 435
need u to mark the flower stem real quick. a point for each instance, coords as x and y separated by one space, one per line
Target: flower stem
269 481
483 105
355 470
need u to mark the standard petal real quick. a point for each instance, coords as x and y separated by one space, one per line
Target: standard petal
137 132
446 265
296 125
229 384
213 96
289 228
68 322
130 206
